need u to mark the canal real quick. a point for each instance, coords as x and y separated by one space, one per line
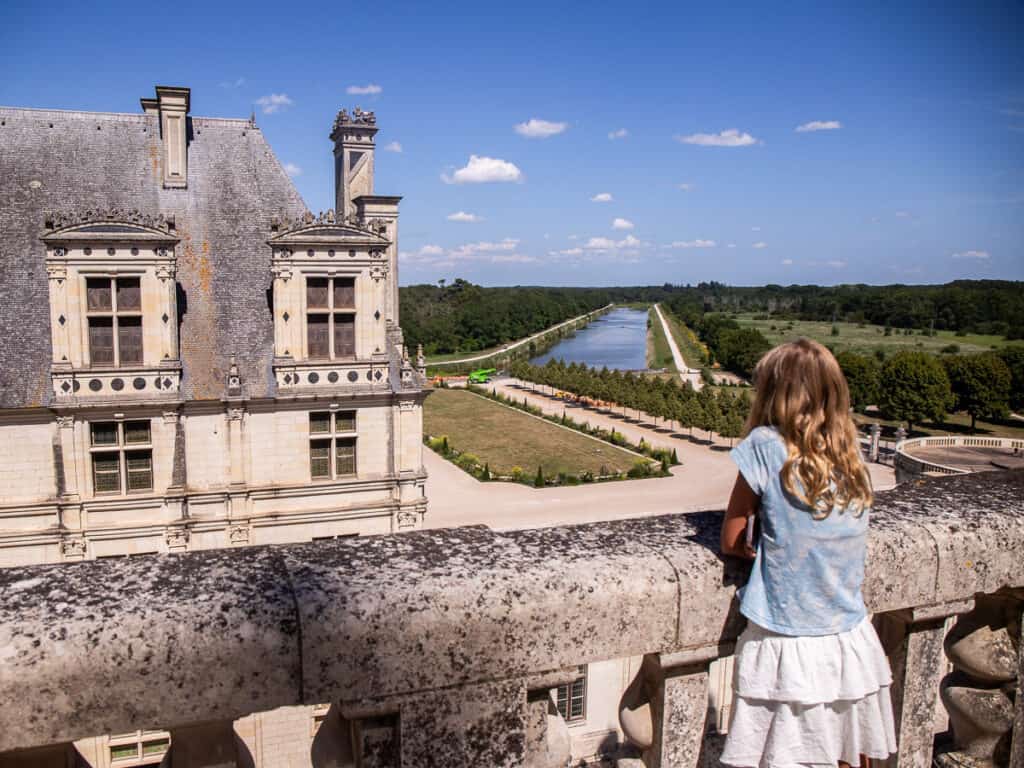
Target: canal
617 339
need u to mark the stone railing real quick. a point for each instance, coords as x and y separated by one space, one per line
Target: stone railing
438 648
908 465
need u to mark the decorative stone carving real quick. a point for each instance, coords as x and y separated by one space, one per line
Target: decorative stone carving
66 422
421 361
73 549
165 272
979 693
282 225
378 272
358 117
177 538
57 271
234 379
56 220
170 417
406 519
236 414
238 535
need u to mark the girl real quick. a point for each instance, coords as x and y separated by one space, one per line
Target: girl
811 679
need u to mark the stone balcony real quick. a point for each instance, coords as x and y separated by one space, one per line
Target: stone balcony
438 648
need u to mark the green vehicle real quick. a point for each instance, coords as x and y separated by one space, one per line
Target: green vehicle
482 376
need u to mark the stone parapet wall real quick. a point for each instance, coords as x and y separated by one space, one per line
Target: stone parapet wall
444 636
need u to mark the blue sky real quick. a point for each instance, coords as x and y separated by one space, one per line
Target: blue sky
910 166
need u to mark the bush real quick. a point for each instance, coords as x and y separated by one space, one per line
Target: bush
914 388
950 349
639 469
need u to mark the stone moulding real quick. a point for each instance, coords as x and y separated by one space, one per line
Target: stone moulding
396 618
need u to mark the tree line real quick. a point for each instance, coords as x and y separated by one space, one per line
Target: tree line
914 386
708 410
463 317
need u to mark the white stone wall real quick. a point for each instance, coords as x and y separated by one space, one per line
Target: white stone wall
26 462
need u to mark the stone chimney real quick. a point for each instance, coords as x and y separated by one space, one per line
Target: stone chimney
172 105
353 158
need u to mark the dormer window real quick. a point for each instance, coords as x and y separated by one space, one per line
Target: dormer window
113 305
114 315
330 317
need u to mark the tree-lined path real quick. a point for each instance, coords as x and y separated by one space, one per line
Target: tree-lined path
686 373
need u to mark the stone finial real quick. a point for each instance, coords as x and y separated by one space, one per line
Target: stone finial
56 220
421 361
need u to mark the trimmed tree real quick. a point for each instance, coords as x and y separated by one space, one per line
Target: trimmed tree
862 373
538 481
914 388
980 384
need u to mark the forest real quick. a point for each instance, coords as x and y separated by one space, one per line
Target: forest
463 317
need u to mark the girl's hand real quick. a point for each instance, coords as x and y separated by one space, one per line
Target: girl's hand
743 504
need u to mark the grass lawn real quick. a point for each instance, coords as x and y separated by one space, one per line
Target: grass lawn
954 424
658 353
505 438
865 340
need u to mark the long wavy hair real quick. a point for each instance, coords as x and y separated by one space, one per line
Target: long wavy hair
801 391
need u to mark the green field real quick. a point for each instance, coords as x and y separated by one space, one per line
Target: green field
867 338
953 424
658 353
693 351
505 438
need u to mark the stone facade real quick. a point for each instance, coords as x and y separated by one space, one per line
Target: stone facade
195 361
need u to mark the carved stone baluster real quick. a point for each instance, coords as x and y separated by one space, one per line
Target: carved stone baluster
677 686
913 640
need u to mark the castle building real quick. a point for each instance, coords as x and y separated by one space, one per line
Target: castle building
189 359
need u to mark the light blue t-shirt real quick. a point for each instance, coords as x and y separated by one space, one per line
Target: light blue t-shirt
807 575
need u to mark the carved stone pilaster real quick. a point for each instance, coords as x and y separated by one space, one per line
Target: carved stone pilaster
57 271
165 272
65 421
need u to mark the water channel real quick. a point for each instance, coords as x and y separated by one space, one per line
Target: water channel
617 339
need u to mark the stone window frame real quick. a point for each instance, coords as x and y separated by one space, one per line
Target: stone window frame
140 740
111 244
569 693
330 311
122 447
334 437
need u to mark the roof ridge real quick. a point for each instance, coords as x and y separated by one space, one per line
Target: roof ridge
131 116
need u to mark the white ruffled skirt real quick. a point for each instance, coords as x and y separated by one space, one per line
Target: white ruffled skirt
810 701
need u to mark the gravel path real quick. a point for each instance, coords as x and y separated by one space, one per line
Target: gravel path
691 375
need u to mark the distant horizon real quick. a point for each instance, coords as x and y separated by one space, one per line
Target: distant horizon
449 281
559 146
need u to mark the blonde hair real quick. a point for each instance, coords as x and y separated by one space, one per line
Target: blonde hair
801 391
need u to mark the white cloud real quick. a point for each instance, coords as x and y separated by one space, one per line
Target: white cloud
570 252
819 125
512 258
621 133
620 223
573 237
607 244
292 169
971 255
480 170
693 244
728 138
540 129
275 102
370 89
393 146
787 262
731 245
471 250
686 187
760 244
903 215
237 83
755 229
837 263
463 216
426 254
602 197
431 250
500 252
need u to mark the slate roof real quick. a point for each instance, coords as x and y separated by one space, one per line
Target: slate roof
54 160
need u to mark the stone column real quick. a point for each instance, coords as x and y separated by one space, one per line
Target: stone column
207 745
913 640
876 431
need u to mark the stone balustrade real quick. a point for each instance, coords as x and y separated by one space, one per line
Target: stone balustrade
438 648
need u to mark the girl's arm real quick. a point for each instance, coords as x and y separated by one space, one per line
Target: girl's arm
742 504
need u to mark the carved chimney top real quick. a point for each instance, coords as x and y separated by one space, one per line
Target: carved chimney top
358 119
